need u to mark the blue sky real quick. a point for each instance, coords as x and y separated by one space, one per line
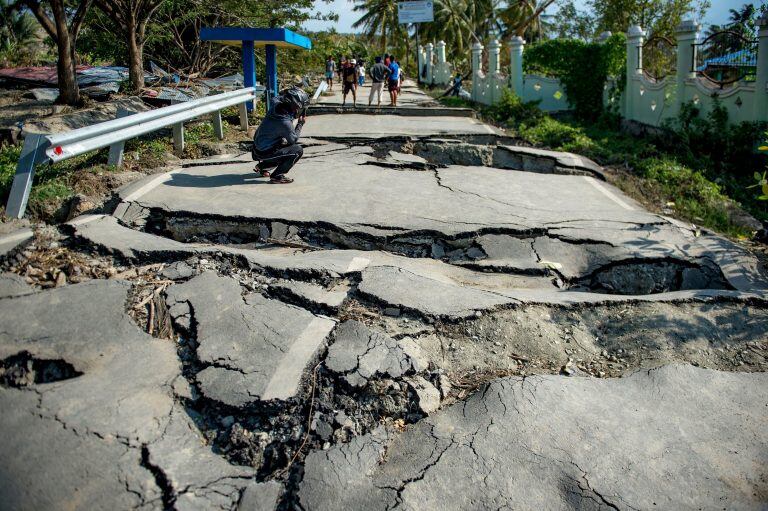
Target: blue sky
717 14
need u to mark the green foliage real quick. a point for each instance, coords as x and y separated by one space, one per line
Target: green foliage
695 197
17 35
579 65
760 179
511 110
660 17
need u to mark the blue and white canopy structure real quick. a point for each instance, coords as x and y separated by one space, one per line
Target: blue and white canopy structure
249 39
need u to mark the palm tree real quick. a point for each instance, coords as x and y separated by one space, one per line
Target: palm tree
379 17
451 25
524 18
17 29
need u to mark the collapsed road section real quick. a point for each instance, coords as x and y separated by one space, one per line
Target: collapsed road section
437 321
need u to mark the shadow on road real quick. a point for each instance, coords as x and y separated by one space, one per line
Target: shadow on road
197 181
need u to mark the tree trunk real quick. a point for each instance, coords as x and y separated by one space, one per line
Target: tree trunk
135 60
69 90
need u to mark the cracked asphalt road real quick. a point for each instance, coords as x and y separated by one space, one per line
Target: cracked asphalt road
429 317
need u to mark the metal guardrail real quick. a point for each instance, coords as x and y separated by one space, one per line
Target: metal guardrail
39 148
320 89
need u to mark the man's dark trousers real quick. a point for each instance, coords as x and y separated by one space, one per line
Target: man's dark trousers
284 158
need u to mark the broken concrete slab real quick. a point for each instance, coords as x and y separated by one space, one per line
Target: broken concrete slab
40 450
260 496
427 395
13 240
255 348
359 354
410 291
531 159
105 232
13 285
313 294
675 437
196 477
124 371
98 398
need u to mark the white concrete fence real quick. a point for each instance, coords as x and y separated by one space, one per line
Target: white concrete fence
433 68
643 99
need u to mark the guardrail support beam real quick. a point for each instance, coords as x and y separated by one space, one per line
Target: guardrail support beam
178 137
243 117
218 126
116 150
32 153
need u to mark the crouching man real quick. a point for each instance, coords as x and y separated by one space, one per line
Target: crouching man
275 144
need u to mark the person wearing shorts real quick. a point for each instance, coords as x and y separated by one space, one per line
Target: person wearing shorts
393 83
349 78
378 73
330 68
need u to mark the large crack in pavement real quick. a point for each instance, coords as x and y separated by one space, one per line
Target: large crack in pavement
376 364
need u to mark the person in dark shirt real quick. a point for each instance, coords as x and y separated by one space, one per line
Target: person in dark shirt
275 144
379 73
349 79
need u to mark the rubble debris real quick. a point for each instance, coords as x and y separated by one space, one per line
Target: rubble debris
359 354
428 397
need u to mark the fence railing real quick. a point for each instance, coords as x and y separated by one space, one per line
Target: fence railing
726 57
40 148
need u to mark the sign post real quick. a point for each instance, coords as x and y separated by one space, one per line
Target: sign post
416 12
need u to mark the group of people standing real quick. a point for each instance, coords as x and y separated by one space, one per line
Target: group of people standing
352 73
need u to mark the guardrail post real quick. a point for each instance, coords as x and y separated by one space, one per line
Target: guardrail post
32 153
116 150
178 137
218 126
243 116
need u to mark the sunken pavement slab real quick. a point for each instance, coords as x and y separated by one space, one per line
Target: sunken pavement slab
91 415
254 348
676 437
359 354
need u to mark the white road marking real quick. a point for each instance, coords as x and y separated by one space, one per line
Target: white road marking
358 264
16 236
84 219
162 178
285 381
608 193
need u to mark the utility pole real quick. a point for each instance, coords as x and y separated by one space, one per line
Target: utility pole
418 69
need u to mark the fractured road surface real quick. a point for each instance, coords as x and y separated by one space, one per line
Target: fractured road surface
430 317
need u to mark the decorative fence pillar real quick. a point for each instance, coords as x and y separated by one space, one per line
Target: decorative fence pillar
516 46
635 36
478 78
495 84
761 80
442 73
687 34
429 78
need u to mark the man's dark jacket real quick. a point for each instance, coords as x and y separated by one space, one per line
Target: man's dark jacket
277 125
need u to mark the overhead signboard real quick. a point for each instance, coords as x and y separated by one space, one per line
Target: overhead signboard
417 11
